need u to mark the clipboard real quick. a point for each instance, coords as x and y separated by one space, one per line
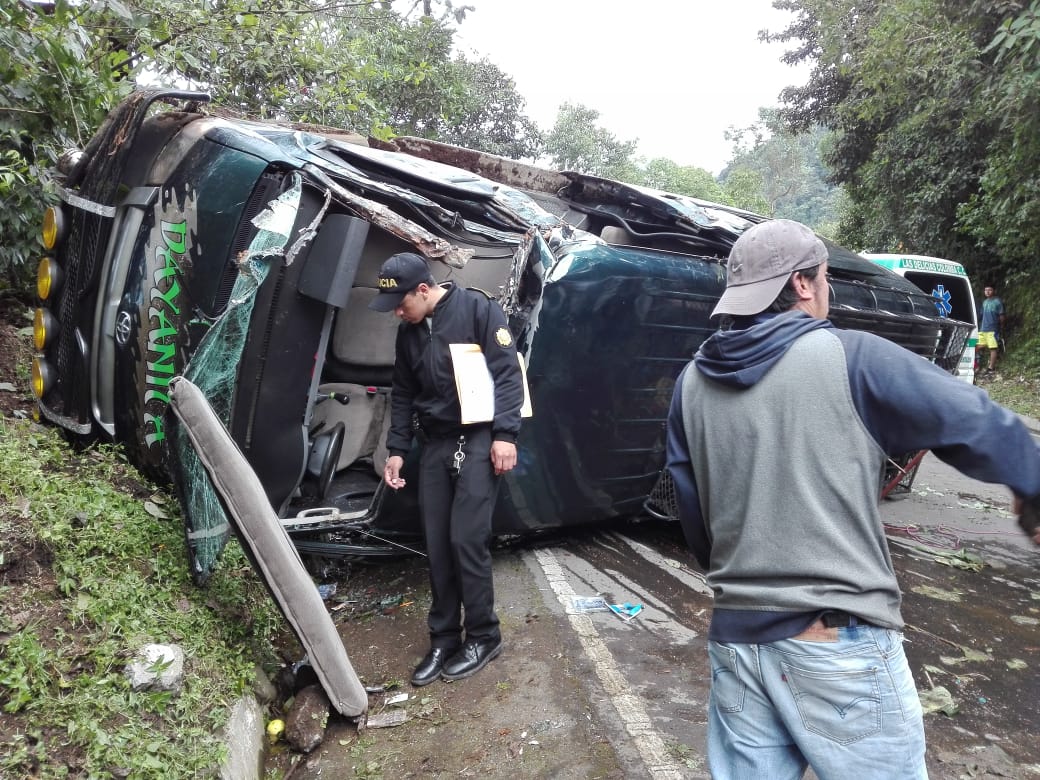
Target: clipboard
475 386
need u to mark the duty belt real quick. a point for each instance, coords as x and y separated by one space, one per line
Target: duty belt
448 431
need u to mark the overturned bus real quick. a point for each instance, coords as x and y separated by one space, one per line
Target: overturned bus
243 256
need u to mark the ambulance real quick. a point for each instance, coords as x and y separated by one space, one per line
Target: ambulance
948 284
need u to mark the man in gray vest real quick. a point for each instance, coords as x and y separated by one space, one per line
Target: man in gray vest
777 435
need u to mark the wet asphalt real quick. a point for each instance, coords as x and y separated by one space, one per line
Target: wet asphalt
630 695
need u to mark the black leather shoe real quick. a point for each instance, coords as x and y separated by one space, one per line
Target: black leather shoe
470 659
429 668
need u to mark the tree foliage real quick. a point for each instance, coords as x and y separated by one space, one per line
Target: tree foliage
781 173
577 143
54 89
356 64
1003 214
486 113
664 174
933 105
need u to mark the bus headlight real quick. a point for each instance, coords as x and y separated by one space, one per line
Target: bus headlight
49 277
45 328
42 377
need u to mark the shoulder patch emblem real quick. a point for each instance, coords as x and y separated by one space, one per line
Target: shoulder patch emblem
503 337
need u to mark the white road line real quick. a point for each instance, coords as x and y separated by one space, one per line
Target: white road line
657 617
691 579
629 707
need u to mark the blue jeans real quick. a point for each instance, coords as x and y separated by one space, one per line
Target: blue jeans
846 705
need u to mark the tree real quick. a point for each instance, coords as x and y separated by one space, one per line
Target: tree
743 188
664 174
488 113
358 65
577 143
934 138
792 178
1004 211
51 97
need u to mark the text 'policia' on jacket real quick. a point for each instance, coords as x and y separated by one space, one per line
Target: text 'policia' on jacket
243 255
424 379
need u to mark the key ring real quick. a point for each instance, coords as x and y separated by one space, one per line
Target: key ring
460 456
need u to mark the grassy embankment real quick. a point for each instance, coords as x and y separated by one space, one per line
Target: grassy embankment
92 566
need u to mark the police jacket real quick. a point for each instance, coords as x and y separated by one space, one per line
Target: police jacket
777 436
424 381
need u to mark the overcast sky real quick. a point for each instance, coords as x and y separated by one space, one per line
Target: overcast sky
674 74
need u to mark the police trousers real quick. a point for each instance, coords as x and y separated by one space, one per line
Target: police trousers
456 508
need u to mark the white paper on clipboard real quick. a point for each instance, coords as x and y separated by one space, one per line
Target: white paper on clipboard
475 386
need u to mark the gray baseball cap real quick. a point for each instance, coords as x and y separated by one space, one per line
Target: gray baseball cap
762 260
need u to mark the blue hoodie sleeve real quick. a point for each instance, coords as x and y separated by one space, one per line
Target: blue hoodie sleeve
680 468
909 404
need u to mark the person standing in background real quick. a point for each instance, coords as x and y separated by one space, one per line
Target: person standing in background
991 329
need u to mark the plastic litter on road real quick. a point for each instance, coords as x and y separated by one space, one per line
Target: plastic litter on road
589 604
626 611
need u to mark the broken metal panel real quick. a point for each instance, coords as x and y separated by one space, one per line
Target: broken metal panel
427 243
499 169
268 545
508 204
335 165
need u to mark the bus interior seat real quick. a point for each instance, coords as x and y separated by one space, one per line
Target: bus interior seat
362 417
616 235
363 341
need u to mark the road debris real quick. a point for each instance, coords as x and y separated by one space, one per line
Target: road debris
626 611
387 719
938 699
582 604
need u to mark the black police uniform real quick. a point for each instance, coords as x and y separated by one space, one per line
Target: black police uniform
456 504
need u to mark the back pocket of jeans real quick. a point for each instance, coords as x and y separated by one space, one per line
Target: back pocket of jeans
843 706
726 686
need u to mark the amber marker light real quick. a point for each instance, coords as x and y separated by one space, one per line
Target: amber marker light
45 328
42 376
53 227
48 278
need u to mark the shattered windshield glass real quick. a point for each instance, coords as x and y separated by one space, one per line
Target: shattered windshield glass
213 368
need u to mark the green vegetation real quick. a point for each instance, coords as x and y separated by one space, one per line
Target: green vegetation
93 569
360 66
918 129
1018 384
1016 391
789 175
932 106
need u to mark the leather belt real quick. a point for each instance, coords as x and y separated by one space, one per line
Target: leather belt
837 619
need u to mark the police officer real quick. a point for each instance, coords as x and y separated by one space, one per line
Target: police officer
460 464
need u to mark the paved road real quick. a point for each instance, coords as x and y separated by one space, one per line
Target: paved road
971 582
579 694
